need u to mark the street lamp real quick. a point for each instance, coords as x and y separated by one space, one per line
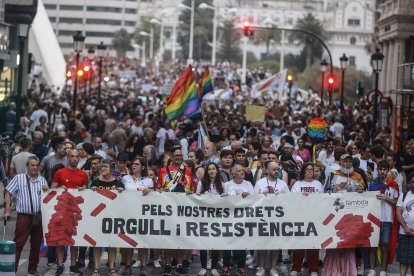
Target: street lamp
78 44
213 54
190 51
376 62
101 49
151 36
22 33
344 63
161 23
91 57
324 66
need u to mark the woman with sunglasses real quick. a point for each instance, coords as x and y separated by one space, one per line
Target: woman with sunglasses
105 181
210 185
137 180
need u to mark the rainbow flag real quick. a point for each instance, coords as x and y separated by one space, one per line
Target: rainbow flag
183 100
202 136
205 85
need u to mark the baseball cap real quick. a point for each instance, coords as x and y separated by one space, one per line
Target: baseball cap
346 156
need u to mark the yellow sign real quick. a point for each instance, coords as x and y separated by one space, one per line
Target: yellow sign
255 113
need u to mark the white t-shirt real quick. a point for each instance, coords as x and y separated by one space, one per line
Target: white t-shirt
399 179
162 136
211 191
307 187
232 188
387 213
264 185
137 184
325 159
337 128
408 212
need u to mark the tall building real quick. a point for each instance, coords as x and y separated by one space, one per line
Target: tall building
98 20
350 27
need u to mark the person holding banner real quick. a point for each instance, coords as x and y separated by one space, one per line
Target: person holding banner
237 186
137 181
306 185
211 185
405 216
105 182
341 181
70 177
270 185
179 179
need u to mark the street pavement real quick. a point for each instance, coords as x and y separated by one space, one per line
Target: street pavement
43 270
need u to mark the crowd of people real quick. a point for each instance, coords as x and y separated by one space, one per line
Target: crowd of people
123 141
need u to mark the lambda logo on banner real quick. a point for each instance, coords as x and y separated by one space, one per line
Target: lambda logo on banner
350 204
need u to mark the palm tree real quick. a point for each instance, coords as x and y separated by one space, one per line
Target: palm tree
121 42
371 45
267 36
311 45
230 40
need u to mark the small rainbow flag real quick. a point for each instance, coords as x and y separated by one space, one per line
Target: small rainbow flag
202 136
183 100
205 85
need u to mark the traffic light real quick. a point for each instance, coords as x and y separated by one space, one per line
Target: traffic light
331 82
359 91
68 75
289 78
246 28
80 73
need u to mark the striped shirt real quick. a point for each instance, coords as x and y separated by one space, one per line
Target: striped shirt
19 189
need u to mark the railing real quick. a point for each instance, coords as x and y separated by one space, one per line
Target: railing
407 75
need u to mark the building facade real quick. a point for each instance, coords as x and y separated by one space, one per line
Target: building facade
98 20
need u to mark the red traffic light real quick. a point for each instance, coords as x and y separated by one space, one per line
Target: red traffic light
80 73
86 68
246 28
331 80
68 74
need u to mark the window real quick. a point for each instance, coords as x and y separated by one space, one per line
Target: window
71 8
70 20
50 7
68 33
52 19
352 61
103 9
133 11
130 23
103 21
353 40
354 22
101 34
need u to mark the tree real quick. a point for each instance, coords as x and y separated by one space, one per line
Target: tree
145 26
311 77
203 30
121 42
266 36
371 45
312 47
230 40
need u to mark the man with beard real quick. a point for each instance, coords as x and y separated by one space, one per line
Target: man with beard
341 181
345 179
179 179
70 178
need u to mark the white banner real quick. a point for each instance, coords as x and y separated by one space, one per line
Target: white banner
171 220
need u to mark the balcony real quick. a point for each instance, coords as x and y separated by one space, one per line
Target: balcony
407 70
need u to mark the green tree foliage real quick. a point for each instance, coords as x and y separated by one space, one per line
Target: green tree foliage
121 42
203 30
311 78
145 26
312 47
230 40
266 36
371 45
